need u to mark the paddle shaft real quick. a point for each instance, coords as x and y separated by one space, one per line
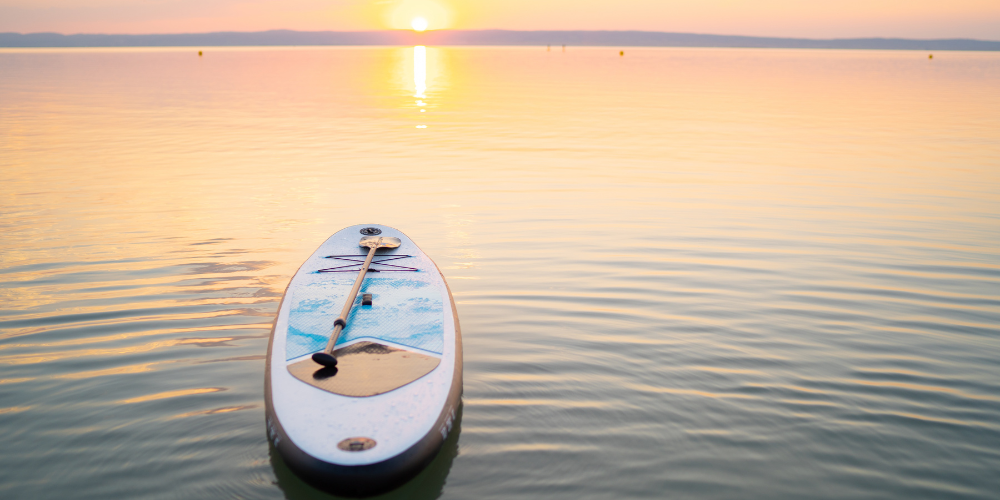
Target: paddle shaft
341 322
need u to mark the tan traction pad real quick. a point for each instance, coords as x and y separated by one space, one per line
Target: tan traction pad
365 369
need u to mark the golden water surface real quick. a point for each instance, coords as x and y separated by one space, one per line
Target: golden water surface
680 273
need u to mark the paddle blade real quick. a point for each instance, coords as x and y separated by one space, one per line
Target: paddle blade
379 242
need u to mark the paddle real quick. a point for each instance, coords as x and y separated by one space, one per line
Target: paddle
373 243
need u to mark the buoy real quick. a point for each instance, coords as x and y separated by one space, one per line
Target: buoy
930 56
199 53
621 52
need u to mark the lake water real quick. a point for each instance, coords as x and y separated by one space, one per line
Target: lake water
680 273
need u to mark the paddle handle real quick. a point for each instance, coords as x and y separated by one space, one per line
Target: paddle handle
341 322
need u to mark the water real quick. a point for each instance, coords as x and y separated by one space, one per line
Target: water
680 273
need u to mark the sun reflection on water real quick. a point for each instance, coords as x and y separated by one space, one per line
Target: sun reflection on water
420 77
420 71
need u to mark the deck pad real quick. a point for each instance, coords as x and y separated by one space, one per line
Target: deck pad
365 369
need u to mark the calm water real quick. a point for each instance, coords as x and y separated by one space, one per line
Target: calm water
681 273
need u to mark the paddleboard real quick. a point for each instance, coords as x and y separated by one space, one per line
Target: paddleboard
380 416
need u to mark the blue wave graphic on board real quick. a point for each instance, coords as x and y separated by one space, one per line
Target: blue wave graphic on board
403 312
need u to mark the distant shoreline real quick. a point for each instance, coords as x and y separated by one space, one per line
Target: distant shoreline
481 37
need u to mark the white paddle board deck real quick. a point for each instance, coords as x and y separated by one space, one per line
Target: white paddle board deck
378 418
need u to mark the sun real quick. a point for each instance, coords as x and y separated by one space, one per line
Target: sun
419 24
418 15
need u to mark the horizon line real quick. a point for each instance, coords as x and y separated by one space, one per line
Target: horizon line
491 37
450 30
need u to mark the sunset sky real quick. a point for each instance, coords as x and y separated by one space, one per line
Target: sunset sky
783 18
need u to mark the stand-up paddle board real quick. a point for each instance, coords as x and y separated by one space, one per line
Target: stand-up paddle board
364 366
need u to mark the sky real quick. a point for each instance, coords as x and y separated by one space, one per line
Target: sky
780 18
